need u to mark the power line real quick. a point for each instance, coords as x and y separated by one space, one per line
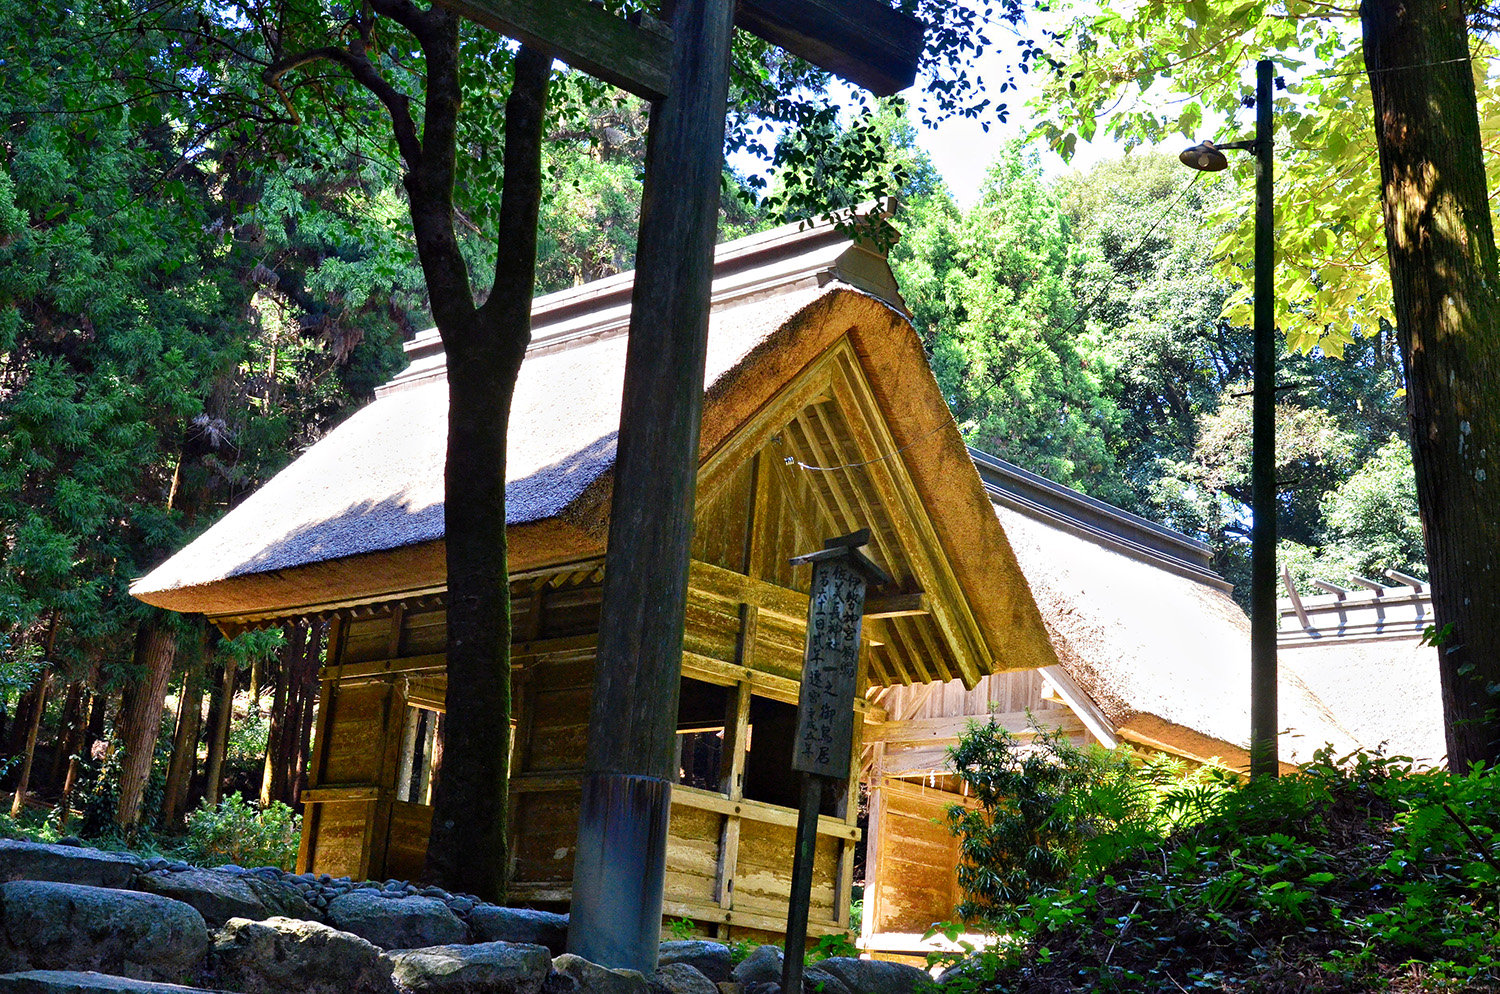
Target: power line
1385 69
1026 360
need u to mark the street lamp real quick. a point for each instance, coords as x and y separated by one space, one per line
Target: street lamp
1209 157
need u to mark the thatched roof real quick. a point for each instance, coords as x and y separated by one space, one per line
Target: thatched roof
1361 652
359 516
1143 626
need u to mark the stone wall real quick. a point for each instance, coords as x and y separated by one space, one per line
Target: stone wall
80 921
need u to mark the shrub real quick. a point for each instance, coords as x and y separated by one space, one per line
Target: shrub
243 834
831 945
1351 875
1049 811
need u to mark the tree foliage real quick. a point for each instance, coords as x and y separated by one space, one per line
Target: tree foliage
989 294
1154 73
1078 327
179 310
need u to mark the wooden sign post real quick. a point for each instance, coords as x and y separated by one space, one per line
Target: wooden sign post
825 711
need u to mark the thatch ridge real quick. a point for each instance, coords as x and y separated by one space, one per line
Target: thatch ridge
1164 656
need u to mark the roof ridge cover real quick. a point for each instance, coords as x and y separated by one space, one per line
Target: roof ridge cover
794 256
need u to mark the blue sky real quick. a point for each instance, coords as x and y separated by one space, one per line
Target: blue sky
962 149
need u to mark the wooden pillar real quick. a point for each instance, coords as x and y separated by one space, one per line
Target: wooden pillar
620 870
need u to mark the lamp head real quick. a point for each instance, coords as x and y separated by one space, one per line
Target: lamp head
1204 156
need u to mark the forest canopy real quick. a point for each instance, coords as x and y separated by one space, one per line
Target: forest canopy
200 275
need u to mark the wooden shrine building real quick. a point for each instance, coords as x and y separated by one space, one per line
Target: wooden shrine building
1152 652
820 417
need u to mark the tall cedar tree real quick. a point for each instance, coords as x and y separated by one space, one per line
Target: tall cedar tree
485 345
1446 283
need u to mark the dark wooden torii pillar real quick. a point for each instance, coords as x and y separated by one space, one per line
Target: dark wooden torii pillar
620 864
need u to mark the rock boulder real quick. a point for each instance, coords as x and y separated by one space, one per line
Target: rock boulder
762 966
816 980
281 899
592 978
218 896
396 922
280 955
482 968
65 864
69 982
709 958
490 923
870 976
61 926
682 978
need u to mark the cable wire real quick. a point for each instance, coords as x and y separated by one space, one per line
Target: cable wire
1026 360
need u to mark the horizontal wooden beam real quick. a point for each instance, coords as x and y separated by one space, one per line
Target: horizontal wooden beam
737 588
698 911
432 663
951 727
784 602
898 606
711 670
772 685
330 795
771 814
634 57
526 783
864 41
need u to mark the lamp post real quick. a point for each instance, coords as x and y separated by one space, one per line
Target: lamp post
1263 615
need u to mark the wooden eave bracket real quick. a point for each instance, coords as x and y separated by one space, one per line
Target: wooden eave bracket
1067 690
898 605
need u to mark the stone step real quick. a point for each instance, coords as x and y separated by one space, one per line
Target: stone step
49 925
21 860
75 982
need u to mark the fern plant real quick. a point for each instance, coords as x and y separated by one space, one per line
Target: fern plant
1048 810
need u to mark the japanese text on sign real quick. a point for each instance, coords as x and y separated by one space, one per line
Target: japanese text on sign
830 670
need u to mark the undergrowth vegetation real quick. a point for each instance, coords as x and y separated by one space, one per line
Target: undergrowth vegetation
1352 874
233 831
243 834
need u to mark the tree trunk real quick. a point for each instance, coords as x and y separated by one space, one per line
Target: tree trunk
28 746
70 728
26 706
305 688
140 724
274 778
221 718
184 747
468 847
1445 281
34 720
257 673
291 714
92 731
